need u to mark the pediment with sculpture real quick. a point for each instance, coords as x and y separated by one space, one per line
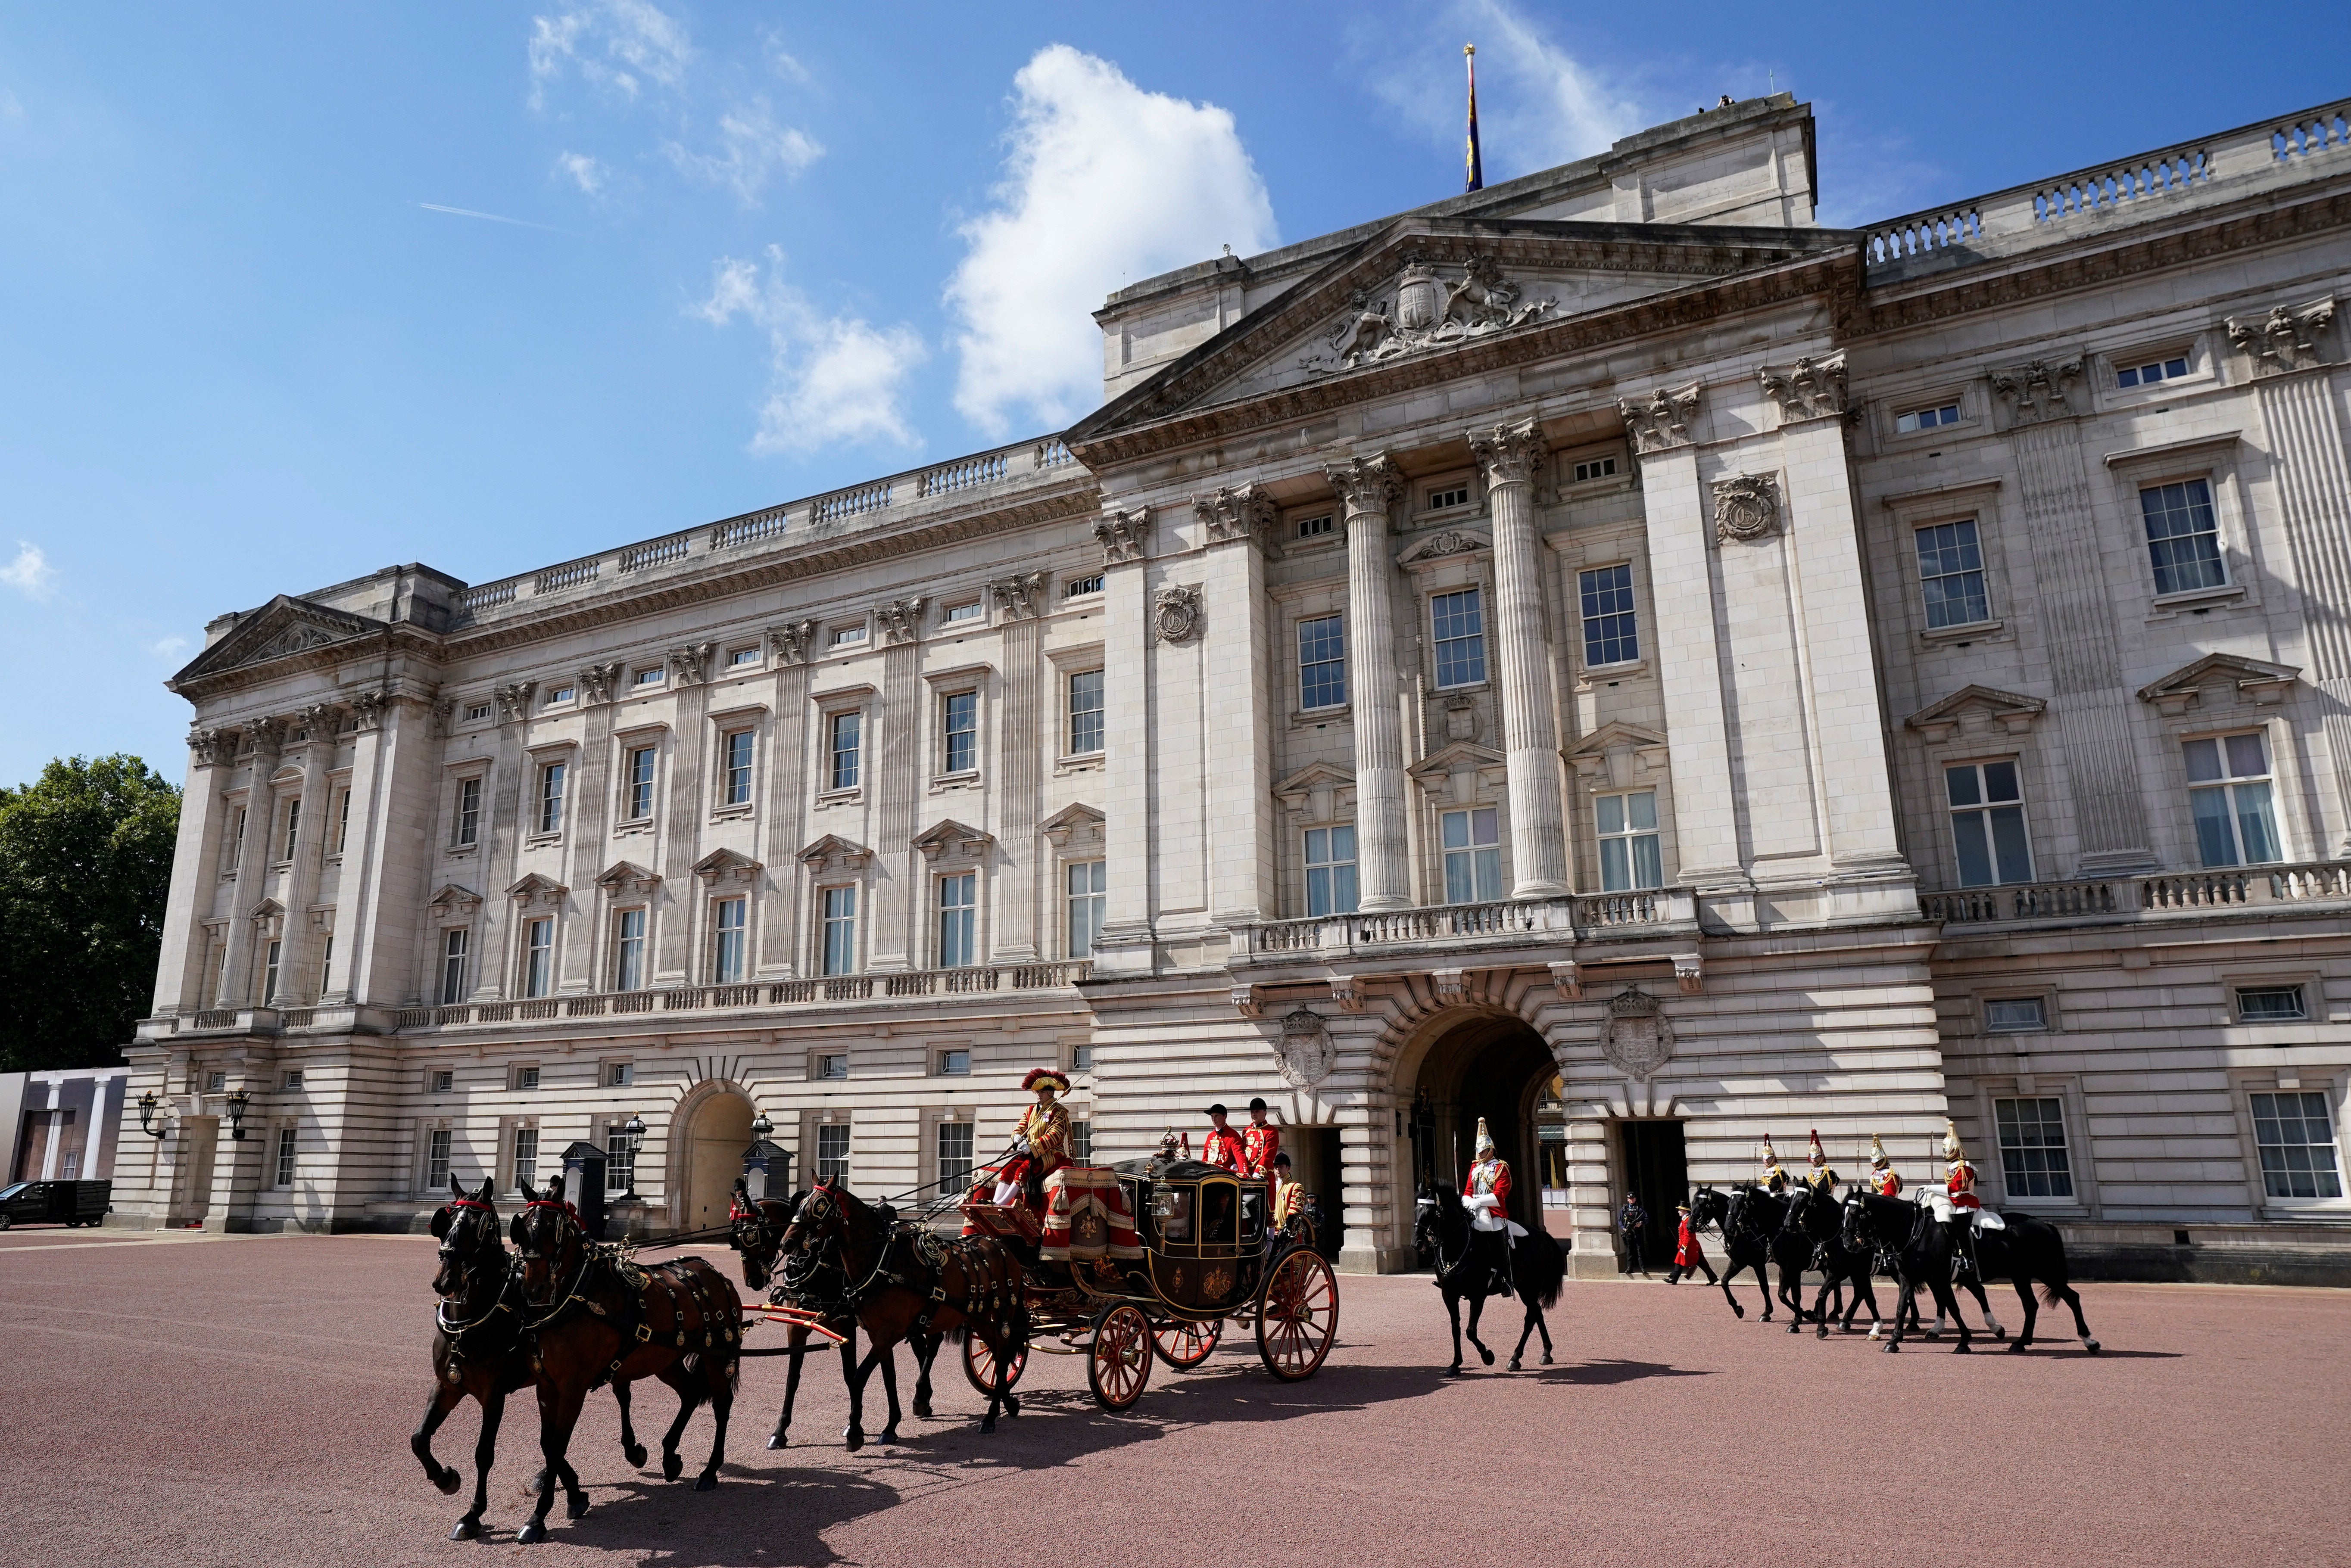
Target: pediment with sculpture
283 625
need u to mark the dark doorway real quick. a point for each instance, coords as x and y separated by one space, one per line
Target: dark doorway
1488 1066
1657 1172
1323 1162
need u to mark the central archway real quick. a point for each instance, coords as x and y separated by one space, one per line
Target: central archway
718 1131
1486 1064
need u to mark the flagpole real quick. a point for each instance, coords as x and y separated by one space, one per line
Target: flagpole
1474 171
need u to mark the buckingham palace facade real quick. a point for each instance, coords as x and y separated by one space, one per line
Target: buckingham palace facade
1604 653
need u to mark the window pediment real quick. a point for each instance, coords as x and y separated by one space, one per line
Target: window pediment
535 889
948 837
1975 709
1323 792
456 900
726 865
1445 543
628 877
1610 752
1073 823
2250 679
832 850
1464 759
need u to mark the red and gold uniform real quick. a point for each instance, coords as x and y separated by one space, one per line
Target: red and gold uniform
1045 1126
1961 1181
1686 1247
1884 1179
1489 1178
1770 1176
1289 1201
1261 1141
1817 1173
1223 1147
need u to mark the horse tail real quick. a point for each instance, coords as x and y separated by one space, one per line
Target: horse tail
1550 1274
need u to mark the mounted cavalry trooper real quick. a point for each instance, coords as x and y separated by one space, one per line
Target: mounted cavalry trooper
1040 1141
1884 1179
1959 1185
1817 1173
1486 1193
1770 1178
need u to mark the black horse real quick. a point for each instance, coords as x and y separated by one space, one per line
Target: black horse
1480 1263
1814 1213
2022 1251
1744 1245
1755 1231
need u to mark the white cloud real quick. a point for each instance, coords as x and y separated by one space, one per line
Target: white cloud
584 171
1104 184
752 149
1538 106
617 45
30 573
832 379
168 647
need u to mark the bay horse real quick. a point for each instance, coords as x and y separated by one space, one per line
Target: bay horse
899 1281
2024 1250
477 1350
756 1231
1471 1262
589 1317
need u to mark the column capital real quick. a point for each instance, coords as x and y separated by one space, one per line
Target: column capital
1509 455
1020 597
902 619
1238 512
1662 419
513 698
367 709
1124 535
268 735
1366 484
214 748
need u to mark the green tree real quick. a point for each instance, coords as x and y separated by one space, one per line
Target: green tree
85 871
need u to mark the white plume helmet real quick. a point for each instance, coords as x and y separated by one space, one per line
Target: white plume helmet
1484 1139
1952 1148
1877 1155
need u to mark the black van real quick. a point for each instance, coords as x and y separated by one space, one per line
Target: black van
67 1203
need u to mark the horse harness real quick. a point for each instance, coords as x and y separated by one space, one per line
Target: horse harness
925 1275
455 1333
634 1320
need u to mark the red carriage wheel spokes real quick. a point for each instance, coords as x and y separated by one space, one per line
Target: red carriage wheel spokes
1120 1362
979 1363
1298 1316
1184 1345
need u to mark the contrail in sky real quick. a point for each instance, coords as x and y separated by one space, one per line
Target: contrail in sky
491 217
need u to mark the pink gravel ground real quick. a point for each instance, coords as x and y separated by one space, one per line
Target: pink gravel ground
248 1400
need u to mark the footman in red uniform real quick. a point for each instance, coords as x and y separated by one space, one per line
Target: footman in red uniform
1223 1146
1260 1142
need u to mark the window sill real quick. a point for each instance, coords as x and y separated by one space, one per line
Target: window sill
840 796
962 780
733 813
2306 1208
2192 596
2048 1208
1971 632
1591 675
454 852
1465 688
1300 717
633 827
540 840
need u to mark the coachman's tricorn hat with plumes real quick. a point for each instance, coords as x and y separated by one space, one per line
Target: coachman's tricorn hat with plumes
1052 1076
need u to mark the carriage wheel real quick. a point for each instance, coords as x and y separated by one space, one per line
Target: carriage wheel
1184 1345
1120 1362
1298 1316
979 1363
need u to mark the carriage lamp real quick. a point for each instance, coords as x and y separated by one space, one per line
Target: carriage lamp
238 1099
150 1108
635 1128
761 1126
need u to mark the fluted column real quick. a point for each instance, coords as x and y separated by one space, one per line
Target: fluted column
298 973
180 981
1368 486
1019 755
1510 457
237 979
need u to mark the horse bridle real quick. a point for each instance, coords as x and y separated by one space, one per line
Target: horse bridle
467 1269
566 1219
1428 1207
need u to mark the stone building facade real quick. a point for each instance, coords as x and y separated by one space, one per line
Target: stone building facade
1604 653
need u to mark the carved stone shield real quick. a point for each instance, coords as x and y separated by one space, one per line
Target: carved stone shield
1307 1051
1419 297
1177 612
1635 1037
1746 508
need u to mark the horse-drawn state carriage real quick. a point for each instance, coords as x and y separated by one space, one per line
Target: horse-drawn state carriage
1152 1257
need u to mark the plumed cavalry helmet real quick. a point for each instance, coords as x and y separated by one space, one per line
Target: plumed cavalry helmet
1770 1157
1819 1155
1877 1157
1052 1076
1484 1139
1952 1151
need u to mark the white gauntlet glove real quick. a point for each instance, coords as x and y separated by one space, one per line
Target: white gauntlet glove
1021 1146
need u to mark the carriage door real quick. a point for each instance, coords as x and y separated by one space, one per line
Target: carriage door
1655 1170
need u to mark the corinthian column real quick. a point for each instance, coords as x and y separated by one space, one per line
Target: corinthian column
1509 457
1369 485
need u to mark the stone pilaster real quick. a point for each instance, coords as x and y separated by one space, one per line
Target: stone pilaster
1368 486
588 796
1125 945
898 874
1511 456
380 899
298 974
680 834
1235 642
180 977
501 829
1019 765
786 807
237 979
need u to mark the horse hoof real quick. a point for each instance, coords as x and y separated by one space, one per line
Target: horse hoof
467 1530
1823 1332
1546 1358
1486 1355
1454 1370
922 1409
986 1424
1514 1364
671 1467
1998 1332
1963 1348
447 1481
775 1439
1737 1311
576 1506
1891 1346
635 1454
531 1534
1011 1406
889 1435
2012 1349
852 1440
2091 1345
705 1483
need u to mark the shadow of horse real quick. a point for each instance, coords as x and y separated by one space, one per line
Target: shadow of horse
1602 1373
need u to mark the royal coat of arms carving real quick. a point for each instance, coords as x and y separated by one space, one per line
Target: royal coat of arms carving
1307 1053
1176 612
1427 310
1635 1037
1746 508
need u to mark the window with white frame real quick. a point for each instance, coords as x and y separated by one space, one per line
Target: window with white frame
619 1074
959 733
838 918
1081 1141
1951 574
849 635
1331 870
629 948
269 960
476 710
955 1062
539 957
1449 496
958 920
741 657
619 1158
1081 1058
560 696
326 964
1323 663
236 844
445 1079
832 1151
293 826
436 1160
1630 852
1591 468
2032 1155
1459 623
454 943
1078 588
214 1082
2294 1133
651 675
1322 525
1085 712
1988 837
1473 855
2271 1004
735 783
1910 421
844 740
550 797
832 1064
285 1172
2147 373
2015 1015
2183 538
968 611
637 789
2230 797
293 1078
525 1078
1086 884
525 1171
342 820
469 812
954 1156
728 946
1611 630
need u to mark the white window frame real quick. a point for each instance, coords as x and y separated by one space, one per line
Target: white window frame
1630 836
554 778
830 759
460 937
954 928
1095 896
522 1134
1584 619
642 941
1298 645
747 737
820 1158
2329 1091
954 1171
1470 851
440 1159
1984 807
2227 785
631 750
1072 741
1330 865
285 1157
1436 644
466 809
1980 571
2040 1096
849 953
538 979
740 934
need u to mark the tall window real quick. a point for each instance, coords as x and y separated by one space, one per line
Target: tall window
1951 574
959 731
469 811
1473 856
1085 711
2033 1148
2229 794
629 950
738 790
526 1158
1988 824
832 1152
638 804
269 972
1459 624
550 797
436 1160
619 1158
954 1156
2294 1134
454 943
845 731
958 920
1323 663
840 930
539 957
1331 870
726 953
1629 853
1087 884
236 841
1611 635
285 1157
1081 1141
343 821
293 826
2182 539
327 965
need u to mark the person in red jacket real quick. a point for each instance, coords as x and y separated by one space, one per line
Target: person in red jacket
1261 1141
1689 1256
1222 1145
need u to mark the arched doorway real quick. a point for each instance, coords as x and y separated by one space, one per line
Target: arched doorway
718 1131
1492 1065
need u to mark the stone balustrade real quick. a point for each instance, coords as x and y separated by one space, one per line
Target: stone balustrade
2167 893
1562 918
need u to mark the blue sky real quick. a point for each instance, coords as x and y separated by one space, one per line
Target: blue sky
253 341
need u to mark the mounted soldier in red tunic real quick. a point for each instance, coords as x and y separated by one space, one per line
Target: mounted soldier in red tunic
1884 1179
1959 1187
